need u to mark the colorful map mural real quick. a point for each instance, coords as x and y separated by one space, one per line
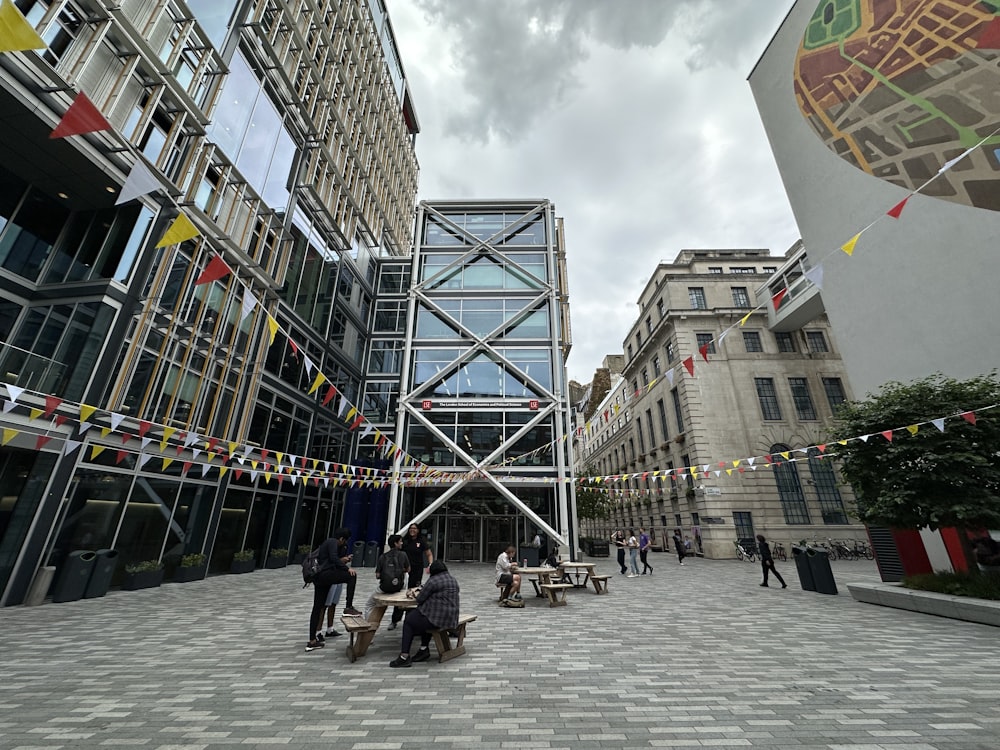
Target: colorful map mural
901 87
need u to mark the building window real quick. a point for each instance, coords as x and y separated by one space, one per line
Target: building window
663 420
793 502
802 398
656 365
741 298
629 349
689 479
675 397
696 295
786 344
649 324
751 340
768 398
742 269
706 339
743 521
831 504
834 392
659 307
770 269
715 269
652 431
817 342
671 353
645 377
638 432
638 339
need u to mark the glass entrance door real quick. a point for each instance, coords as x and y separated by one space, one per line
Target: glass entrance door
462 536
499 531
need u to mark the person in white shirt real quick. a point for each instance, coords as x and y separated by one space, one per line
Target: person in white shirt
507 574
633 551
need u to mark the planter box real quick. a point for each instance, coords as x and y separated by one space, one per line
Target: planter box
242 566
275 562
196 573
146 579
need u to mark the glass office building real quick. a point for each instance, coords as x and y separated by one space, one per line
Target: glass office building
284 131
477 326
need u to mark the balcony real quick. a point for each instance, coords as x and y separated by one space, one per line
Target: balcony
802 303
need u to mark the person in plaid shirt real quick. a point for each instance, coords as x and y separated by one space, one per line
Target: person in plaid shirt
437 607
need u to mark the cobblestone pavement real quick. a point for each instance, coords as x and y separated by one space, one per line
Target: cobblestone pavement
691 657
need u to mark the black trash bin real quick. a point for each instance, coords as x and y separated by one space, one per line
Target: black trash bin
358 555
371 554
530 554
822 573
803 569
100 577
75 575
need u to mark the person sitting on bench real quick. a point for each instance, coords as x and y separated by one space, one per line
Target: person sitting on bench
437 609
507 574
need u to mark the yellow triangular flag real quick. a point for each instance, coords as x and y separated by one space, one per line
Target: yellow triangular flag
232 448
350 414
913 429
253 465
745 318
848 247
272 326
86 412
8 435
279 455
786 455
167 432
842 442
267 477
34 413
166 463
16 34
181 229
105 431
95 451
729 472
320 379
737 462
222 471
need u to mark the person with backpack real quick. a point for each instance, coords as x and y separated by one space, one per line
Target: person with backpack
330 570
390 570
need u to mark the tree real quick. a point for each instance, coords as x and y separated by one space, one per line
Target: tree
933 478
592 504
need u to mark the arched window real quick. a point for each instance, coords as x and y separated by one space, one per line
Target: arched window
786 474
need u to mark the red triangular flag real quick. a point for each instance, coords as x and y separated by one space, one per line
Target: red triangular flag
215 270
821 448
887 434
186 465
51 404
970 417
703 349
990 38
60 420
295 349
357 422
264 453
125 437
689 365
329 395
81 117
42 440
120 456
144 427
776 299
896 210
238 473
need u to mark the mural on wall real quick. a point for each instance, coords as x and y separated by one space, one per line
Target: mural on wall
900 87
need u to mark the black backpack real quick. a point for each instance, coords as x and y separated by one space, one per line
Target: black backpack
310 567
391 579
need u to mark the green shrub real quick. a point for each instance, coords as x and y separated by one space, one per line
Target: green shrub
279 552
243 555
143 567
194 560
981 586
304 549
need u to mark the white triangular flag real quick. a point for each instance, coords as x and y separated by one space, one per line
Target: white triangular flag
70 445
939 423
143 458
14 391
815 275
140 181
864 438
7 406
342 406
751 460
248 304
309 364
670 377
195 452
191 437
253 475
952 162
205 468
718 473
116 419
84 426
146 441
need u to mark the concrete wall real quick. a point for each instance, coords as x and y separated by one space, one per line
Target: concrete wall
920 294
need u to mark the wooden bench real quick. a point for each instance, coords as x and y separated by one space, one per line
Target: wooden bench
600 583
442 639
361 631
553 590
504 590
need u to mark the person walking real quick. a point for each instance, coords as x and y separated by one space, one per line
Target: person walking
679 546
332 570
767 561
633 554
420 556
645 542
618 539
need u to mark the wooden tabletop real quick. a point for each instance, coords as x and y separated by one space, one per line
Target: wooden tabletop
398 599
536 571
577 565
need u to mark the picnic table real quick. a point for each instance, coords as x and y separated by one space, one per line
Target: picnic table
589 573
544 585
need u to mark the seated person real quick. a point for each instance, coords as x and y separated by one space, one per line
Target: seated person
507 573
390 572
987 551
437 607
553 561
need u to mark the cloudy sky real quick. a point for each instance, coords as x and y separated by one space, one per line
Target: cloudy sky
633 116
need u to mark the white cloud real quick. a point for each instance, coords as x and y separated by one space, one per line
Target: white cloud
634 117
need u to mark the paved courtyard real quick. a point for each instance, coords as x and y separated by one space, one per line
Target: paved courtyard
691 657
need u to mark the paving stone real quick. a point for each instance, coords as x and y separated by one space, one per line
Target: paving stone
692 657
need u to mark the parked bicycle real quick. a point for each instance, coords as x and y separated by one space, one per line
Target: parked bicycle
745 550
778 551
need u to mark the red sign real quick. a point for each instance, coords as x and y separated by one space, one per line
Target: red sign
426 404
533 404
